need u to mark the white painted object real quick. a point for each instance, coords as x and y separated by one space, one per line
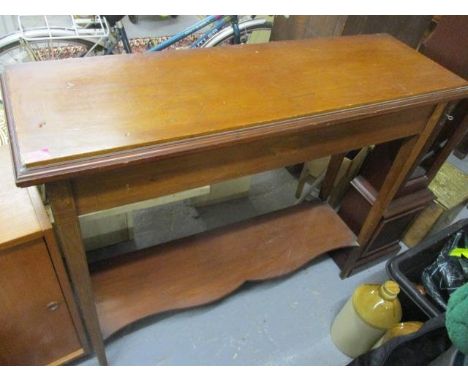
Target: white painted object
366 316
352 335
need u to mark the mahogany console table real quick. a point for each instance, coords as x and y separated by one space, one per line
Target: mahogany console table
105 131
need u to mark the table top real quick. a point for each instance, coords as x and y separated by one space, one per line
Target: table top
61 111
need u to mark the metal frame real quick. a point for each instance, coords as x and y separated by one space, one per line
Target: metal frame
101 33
79 26
219 23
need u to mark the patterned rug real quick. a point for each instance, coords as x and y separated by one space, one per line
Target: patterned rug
138 45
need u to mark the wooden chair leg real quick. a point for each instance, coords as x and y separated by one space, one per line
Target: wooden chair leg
330 176
68 231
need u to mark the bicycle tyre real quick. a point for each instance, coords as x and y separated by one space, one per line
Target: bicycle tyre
13 42
245 28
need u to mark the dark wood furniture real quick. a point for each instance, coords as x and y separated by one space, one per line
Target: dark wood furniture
412 198
142 128
446 45
39 320
443 46
385 239
356 203
462 148
406 28
203 268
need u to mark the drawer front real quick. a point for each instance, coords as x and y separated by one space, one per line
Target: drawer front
35 323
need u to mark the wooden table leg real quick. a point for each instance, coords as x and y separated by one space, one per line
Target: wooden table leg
330 176
457 134
404 163
68 231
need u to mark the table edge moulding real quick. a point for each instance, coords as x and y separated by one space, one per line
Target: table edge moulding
319 97
38 160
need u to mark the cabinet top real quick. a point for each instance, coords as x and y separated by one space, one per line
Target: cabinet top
76 109
20 222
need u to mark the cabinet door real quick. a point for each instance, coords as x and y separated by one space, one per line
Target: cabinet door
35 323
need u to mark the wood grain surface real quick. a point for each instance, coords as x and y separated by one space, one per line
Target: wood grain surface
330 175
18 223
28 246
405 161
59 266
68 231
80 108
205 267
32 332
149 180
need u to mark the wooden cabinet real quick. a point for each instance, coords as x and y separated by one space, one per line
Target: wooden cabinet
410 199
407 28
442 46
36 326
385 239
39 323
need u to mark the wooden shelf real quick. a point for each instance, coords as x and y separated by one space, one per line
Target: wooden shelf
206 267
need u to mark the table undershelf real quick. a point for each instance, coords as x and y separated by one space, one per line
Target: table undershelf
205 267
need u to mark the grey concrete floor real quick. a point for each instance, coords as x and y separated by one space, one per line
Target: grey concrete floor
280 322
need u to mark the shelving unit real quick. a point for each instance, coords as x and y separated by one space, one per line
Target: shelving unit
205 267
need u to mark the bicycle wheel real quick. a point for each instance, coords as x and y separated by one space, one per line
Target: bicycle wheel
3 128
246 28
15 52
